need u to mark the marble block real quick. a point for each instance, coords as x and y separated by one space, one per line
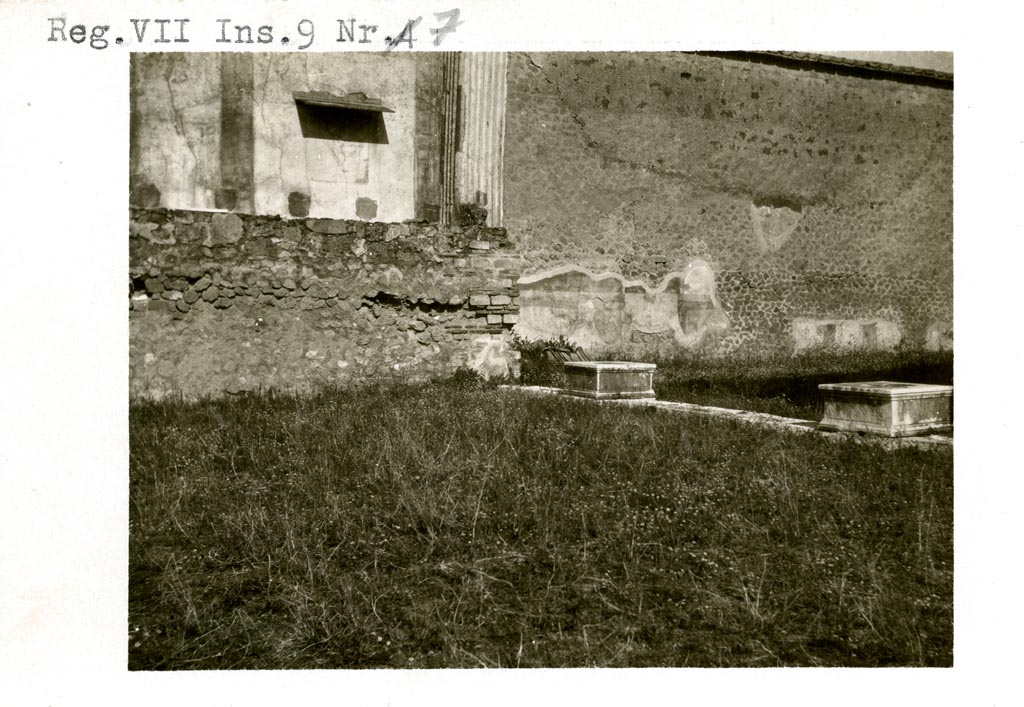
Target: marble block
609 380
887 408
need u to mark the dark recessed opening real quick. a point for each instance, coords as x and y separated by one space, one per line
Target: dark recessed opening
351 118
778 202
342 124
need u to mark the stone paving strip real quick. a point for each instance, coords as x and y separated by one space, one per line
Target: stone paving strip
789 424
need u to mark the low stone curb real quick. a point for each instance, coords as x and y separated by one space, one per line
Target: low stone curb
789 424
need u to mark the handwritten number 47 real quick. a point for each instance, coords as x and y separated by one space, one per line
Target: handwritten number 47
405 36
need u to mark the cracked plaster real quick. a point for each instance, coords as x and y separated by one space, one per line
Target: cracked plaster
177 145
605 311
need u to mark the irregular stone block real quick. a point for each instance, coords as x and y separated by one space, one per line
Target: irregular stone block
160 305
328 226
479 301
394 231
225 229
501 300
147 231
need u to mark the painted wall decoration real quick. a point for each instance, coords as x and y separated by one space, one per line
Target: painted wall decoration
605 311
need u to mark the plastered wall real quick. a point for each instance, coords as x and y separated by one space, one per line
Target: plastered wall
335 174
821 203
223 131
175 129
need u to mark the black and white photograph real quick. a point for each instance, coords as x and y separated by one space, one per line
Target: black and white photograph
540 359
451 350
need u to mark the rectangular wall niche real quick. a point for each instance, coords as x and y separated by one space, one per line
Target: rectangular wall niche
353 117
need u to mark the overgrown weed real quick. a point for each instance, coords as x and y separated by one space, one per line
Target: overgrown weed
459 525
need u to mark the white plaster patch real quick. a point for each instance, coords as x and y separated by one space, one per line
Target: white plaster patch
490 356
845 334
773 226
146 230
390 277
939 337
605 310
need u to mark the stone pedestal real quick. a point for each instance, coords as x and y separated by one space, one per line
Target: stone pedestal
609 380
887 408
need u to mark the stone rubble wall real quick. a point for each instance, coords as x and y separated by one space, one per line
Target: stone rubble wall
227 302
822 203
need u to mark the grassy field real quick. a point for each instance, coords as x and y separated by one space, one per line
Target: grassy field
457 525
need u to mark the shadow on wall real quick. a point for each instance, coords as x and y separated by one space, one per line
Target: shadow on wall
606 311
332 123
